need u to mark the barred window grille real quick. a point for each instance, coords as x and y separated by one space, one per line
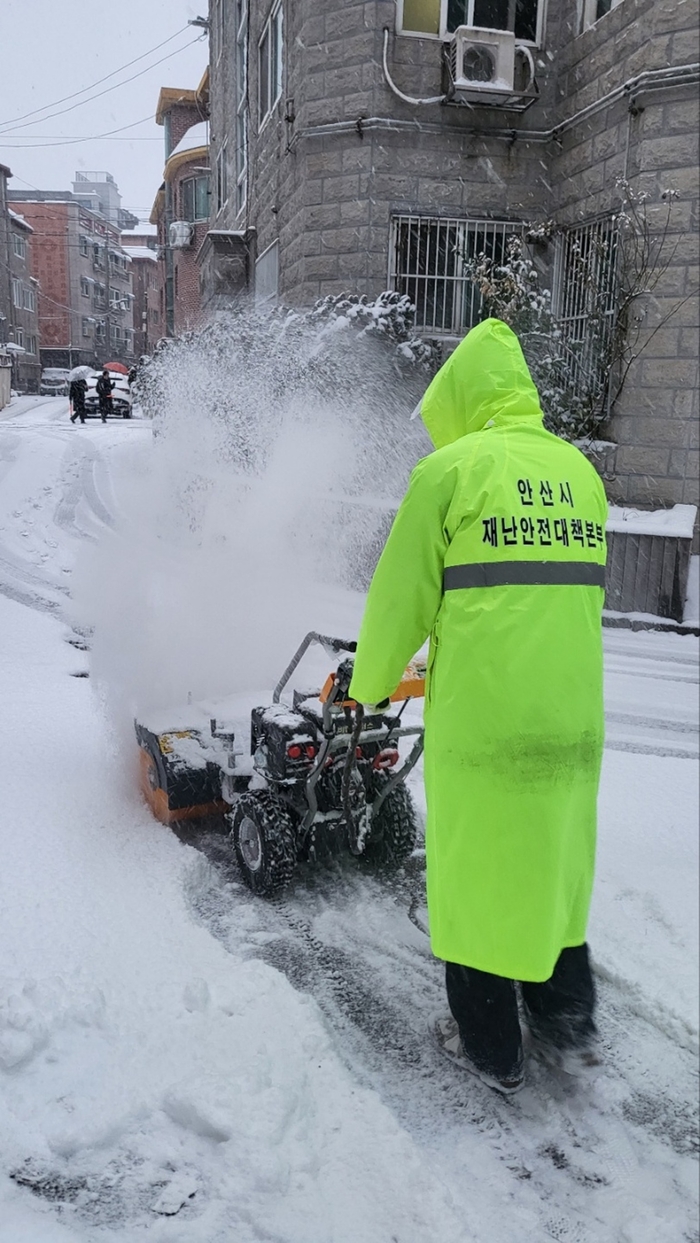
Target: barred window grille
584 301
427 260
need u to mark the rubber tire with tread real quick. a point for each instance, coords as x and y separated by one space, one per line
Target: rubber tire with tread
394 830
277 841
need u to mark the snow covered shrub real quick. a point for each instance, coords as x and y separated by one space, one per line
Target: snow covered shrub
611 268
511 290
390 317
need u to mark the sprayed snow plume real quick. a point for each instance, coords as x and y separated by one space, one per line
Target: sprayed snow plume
281 444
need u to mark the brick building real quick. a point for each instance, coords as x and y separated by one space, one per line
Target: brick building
85 299
19 324
380 144
149 325
181 208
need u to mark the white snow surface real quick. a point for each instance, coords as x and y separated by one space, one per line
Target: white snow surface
677 521
196 136
183 1063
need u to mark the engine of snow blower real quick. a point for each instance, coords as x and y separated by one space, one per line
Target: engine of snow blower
320 775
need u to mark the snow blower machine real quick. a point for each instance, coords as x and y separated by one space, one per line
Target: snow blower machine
320 776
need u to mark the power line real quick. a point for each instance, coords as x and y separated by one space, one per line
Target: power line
99 94
92 85
75 138
67 142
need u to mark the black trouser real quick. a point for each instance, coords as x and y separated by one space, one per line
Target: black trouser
485 1007
79 412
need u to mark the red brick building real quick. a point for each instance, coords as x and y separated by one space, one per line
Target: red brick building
181 209
149 320
85 300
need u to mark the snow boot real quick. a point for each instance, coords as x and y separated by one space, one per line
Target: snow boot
448 1038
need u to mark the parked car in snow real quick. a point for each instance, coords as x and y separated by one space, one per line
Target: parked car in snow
54 381
122 401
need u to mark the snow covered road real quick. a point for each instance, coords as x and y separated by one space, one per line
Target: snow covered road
183 1063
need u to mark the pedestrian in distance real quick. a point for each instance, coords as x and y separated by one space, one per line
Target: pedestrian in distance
497 553
76 399
104 388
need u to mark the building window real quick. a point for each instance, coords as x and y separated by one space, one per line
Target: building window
100 330
584 300
593 10
270 65
84 245
440 18
85 287
241 128
87 327
28 299
31 345
428 259
19 334
219 27
17 293
267 275
221 177
194 198
19 246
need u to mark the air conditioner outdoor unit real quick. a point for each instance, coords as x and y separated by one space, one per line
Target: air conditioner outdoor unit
181 234
482 61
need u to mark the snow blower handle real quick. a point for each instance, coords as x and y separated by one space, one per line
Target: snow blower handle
333 646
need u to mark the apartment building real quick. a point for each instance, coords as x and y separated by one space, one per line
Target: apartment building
19 324
386 143
182 206
85 298
140 245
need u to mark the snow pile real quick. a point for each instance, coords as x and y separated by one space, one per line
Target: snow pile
249 511
676 522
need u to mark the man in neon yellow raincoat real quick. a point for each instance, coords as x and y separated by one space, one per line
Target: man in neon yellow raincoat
498 554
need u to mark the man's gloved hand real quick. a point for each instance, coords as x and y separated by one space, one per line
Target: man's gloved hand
380 707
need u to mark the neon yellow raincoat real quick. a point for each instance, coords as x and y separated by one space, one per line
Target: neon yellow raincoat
498 553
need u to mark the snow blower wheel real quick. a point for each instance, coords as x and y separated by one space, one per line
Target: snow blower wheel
264 840
392 838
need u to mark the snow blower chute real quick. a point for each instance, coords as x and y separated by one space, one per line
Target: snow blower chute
319 775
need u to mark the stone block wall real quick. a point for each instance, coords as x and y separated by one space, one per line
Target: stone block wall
651 142
342 154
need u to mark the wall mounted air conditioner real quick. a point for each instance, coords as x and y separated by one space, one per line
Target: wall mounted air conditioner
181 232
482 62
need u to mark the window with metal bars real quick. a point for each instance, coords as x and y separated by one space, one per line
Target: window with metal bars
428 258
584 301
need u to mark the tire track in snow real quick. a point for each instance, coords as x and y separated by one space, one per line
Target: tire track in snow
379 993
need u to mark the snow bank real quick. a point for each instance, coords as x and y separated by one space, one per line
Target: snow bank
143 1067
676 522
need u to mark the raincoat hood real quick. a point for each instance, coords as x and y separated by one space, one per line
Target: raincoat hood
485 380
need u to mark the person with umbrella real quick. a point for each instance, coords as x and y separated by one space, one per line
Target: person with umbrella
76 393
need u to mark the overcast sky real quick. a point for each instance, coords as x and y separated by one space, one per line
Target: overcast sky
54 48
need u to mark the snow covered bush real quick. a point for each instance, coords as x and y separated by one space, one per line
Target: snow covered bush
614 266
511 290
